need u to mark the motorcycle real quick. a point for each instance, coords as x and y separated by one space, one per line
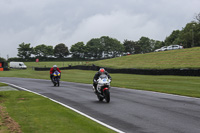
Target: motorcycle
56 78
103 87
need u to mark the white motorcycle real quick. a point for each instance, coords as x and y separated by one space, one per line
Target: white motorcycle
103 87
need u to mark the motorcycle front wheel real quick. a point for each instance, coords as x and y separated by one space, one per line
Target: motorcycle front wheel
99 97
58 83
107 96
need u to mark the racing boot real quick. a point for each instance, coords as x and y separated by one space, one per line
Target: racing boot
94 89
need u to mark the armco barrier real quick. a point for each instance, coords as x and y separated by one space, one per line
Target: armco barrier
180 72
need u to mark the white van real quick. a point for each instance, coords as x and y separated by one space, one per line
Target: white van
20 65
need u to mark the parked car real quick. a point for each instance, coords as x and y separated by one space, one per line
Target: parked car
164 48
172 47
157 50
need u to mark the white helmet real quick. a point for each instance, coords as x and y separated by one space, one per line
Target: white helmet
54 66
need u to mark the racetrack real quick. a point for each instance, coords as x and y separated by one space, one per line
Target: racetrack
129 110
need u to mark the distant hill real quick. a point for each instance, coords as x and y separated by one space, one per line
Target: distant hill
181 58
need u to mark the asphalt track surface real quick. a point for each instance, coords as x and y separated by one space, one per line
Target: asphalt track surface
129 110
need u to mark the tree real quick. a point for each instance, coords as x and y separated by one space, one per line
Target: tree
103 47
171 39
24 50
132 47
94 48
78 50
2 59
129 46
49 51
197 18
111 47
145 44
61 50
189 35
43 51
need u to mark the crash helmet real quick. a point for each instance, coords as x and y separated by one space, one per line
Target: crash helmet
54 67
102 70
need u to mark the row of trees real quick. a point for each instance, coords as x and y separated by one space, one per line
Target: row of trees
25 51
107 47
96 48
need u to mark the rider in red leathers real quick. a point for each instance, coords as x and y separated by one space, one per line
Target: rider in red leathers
53 69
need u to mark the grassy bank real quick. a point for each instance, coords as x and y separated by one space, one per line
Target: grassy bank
181 58
37 114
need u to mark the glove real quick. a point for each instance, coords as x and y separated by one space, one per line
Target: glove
95 81
51 76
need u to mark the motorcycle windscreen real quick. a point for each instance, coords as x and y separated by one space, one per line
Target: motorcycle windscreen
103 76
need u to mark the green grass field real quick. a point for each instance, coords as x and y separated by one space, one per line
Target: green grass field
181 58
36 114
1 84
180 85
18 109
50 64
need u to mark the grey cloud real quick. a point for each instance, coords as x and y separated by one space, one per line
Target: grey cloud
70 21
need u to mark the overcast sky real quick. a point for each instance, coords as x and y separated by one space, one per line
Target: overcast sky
52 22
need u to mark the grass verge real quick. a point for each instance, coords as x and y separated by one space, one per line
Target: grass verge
38 114
2 84
180 85
50 64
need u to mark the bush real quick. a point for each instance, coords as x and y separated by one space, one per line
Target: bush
33 59
2 59
15 59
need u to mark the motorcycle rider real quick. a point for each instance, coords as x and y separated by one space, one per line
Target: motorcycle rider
96 77
52 70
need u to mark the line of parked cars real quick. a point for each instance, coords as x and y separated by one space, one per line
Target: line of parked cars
171 47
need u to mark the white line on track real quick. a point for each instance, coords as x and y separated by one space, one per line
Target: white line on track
81 113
